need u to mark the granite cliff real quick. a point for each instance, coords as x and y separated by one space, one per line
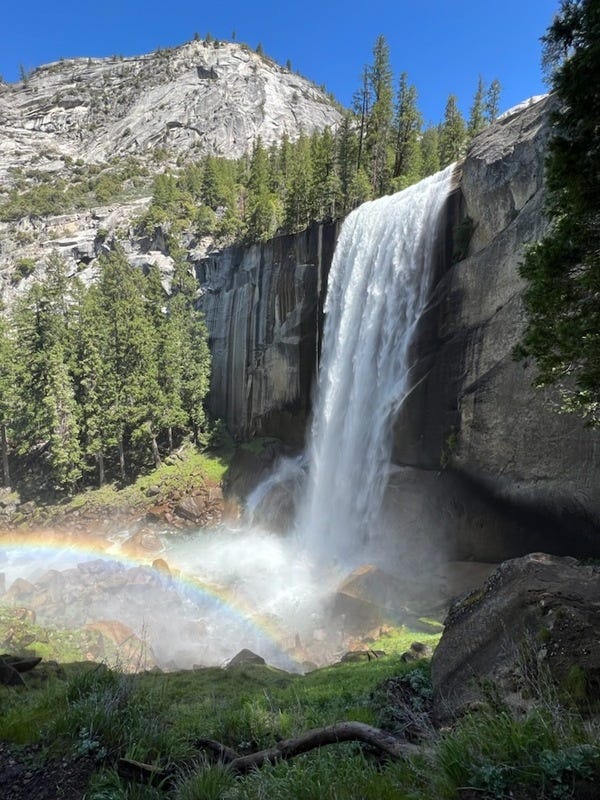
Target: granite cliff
79 122
485 466
206 97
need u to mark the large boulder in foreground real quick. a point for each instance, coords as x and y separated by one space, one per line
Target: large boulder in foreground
534 614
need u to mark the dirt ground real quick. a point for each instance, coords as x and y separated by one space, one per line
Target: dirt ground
22 777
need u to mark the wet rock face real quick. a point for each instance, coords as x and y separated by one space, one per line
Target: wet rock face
507 473
534 615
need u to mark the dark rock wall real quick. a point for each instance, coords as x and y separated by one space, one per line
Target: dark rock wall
485 466
506 473
263 308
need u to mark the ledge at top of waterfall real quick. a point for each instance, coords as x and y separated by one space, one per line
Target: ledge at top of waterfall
378 287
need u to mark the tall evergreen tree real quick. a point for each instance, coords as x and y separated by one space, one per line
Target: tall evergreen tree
361 106
347 156
477 120
430 151
326 189
132 345
8 393
96 382
379 126
46 411
452 133
262 207
298 202
408 122
492 101
562 299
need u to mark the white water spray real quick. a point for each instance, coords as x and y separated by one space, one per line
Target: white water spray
249 588
378 287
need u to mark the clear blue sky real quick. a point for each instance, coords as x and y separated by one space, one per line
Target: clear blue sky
443 45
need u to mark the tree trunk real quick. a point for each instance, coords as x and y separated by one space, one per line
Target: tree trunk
155 451
289 748
100 461
122 459
170 438
4 446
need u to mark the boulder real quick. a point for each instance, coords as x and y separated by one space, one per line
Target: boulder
9 675
245 656
356 656
20 590
367 598
160 565
192 508
535 616
112 629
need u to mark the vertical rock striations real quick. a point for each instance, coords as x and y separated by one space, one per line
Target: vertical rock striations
263 307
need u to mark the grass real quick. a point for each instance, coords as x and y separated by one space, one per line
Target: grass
23 636
188 470
550 752
398 640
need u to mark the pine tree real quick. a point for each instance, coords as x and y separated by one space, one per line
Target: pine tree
562 299
492 102
361 106
408 122
96 381
61 418
477 116
262 208
46 412
8 390
298 205
347 151
326 188
430 151
452 133
132 348
379 124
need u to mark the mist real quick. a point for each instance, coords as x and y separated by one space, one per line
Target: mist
317 564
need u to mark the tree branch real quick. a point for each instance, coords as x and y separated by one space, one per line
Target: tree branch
288 748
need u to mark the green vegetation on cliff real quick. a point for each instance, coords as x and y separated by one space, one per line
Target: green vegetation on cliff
380 147
562 271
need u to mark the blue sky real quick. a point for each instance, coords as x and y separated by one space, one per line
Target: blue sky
443 45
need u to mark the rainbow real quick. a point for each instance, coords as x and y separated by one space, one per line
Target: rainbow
47 547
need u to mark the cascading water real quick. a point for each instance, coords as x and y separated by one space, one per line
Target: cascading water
248 588
378 286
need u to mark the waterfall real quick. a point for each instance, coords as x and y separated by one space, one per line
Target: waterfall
378 286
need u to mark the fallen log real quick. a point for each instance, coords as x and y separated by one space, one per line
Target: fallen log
138 772
320 737
288 748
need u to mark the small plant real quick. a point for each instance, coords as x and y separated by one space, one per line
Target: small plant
24 267
463 232
449 448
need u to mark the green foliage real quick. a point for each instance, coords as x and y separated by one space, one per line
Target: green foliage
452 133
495 752
103 376
151 717
477 121
562 270
492 101
408 123
24 267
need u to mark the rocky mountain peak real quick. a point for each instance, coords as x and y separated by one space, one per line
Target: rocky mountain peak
200 98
